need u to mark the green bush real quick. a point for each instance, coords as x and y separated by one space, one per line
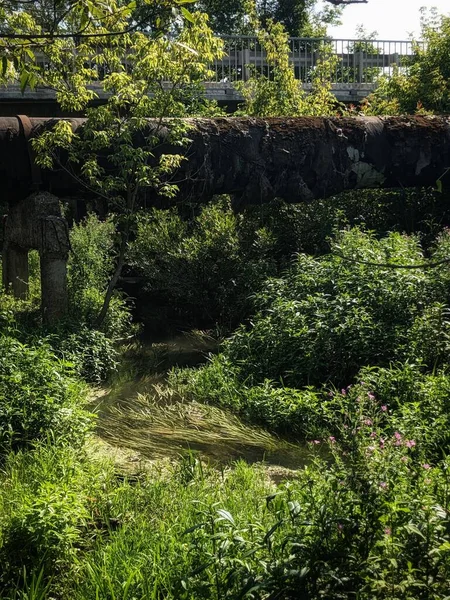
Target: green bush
373 528
39 398
328 317
417 404
289 411
91 352
91 349
425 84
90 267
48 501
202 268
323 322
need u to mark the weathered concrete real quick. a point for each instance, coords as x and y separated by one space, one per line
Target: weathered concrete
36 223
305 158
41 102
256 160
15 269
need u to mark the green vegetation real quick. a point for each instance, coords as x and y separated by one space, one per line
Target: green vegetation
334 321
350 358
422 84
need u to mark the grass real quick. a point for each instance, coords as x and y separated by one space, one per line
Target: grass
139 413
156 429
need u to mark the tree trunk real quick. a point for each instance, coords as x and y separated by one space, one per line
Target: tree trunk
113 282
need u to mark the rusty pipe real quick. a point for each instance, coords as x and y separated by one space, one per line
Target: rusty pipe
297 159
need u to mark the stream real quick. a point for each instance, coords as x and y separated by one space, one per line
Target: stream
140 415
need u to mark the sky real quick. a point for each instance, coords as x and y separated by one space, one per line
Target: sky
392 19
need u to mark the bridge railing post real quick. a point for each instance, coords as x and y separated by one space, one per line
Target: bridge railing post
245 61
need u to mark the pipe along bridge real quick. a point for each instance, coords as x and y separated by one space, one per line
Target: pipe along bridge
253 160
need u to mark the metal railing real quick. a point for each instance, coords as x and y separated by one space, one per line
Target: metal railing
354 61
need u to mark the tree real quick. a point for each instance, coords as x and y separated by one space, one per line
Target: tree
422 82
299 17
35 29
87 47
279 93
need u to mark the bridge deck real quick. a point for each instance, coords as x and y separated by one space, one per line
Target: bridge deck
357 65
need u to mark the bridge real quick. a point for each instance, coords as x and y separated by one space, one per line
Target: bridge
357 65
253 160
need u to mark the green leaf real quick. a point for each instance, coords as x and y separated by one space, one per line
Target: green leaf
445 547
30 53
187 15
226 516
193 528
32 80
272 531
24 79
294 508
414 529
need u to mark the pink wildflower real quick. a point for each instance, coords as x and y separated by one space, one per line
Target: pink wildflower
387 531
367 422
426 466
344 392
373 434
410 443
382 443
383 485
384 408
371 396
332 439
398 438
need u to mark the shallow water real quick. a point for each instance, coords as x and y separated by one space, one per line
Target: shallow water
140 414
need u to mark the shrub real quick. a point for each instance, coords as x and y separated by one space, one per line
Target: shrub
201 268
91 352
39 398
424 85
48 500
328 317
323 322
292 412
90 266
375 528
417 405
